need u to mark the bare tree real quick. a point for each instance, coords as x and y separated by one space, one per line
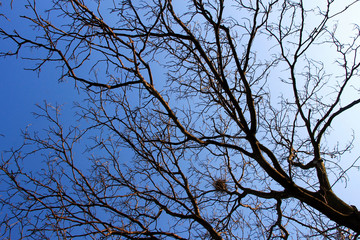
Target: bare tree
204 119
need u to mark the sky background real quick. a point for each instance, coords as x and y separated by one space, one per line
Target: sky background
20 90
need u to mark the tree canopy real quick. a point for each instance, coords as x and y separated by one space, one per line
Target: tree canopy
198 119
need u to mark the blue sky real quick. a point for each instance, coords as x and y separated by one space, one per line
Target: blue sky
20 90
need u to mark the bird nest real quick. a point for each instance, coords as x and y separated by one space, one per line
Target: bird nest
220 185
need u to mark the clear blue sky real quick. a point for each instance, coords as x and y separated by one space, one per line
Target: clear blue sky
21 90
